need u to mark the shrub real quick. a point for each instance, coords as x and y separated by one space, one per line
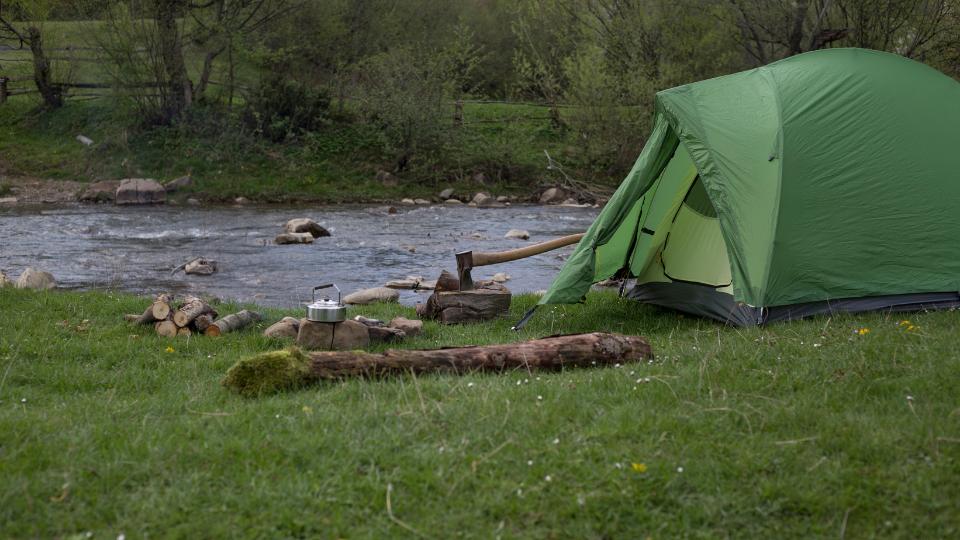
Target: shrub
281 108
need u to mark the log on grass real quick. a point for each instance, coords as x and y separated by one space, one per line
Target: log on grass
145 318
191 308
292 368
162 306
202 322
233 322
166 328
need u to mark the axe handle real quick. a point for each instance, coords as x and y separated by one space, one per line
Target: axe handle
484 258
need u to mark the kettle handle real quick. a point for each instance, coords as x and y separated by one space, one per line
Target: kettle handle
328 285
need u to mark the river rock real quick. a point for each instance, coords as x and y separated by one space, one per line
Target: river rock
349 335
472 204
407 326
366 321
553 196
103 191
407 202
178 183
518 234
241 200
452 201
305 225
501 277
383 334
193 202
8 200
294 238
446 194
140 191
287 327
483 199
200 267
387 179
35 279
410 282
502 199
421 201
369 296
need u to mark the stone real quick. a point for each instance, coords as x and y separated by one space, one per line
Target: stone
84 140
293 238
518 234
407 326
200 267
408 202
369 296
383 334
287 327
178 183
350 335
452 201
193 202
483 199
446 194
421 201
368 322
140 191
410 282
570 201
501 277
427 285
103 191
472 204
8 200
305 225
387 179
315 335
241 200
35 279
553 196
392 210
502 199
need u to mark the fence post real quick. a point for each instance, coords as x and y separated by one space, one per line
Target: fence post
458 113
3 89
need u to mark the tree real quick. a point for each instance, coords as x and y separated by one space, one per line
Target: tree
29 34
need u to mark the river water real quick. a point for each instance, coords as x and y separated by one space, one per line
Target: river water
135 248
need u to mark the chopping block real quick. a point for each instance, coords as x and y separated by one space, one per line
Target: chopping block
487 300
339 336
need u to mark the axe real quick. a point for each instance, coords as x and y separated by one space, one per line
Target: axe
467 260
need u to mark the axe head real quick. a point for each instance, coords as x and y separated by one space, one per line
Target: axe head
464 265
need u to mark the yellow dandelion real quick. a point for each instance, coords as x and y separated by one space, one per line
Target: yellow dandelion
911 328
307 410
863 331
638 467
169 348
905 323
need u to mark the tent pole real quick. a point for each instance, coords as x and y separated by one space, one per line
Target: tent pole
523 320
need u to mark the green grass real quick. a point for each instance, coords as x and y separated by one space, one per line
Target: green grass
793 430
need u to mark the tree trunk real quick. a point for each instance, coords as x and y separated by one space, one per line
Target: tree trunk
233 322
179 92
202 322
272 371
191 308
51 93
166 328
486 301
161 306
146 318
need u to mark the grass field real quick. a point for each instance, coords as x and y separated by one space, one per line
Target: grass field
833 427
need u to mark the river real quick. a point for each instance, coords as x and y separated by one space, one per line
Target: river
134 249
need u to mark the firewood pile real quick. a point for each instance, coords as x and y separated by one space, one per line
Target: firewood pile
189 315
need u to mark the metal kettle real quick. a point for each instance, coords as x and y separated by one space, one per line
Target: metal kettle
325 309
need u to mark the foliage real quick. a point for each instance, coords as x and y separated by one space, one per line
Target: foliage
280 108
805 429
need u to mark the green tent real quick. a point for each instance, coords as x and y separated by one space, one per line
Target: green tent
823 182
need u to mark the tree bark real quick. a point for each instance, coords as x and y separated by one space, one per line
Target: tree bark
202 322
233 322
269 372
145 318
51 93
191 308
179 90
487 301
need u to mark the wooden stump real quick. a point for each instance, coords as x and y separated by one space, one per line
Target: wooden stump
161 306
341 336
487 301
166 328
233 322
279 370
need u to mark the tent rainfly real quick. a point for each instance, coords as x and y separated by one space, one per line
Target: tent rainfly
824 182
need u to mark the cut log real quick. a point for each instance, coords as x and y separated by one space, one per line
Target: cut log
279 370
447 282
200 267
161 306
166 328
184 331
202 322
145 318
487 301
233 322
191 308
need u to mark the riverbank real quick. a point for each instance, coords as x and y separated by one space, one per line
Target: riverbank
813 428
343 163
